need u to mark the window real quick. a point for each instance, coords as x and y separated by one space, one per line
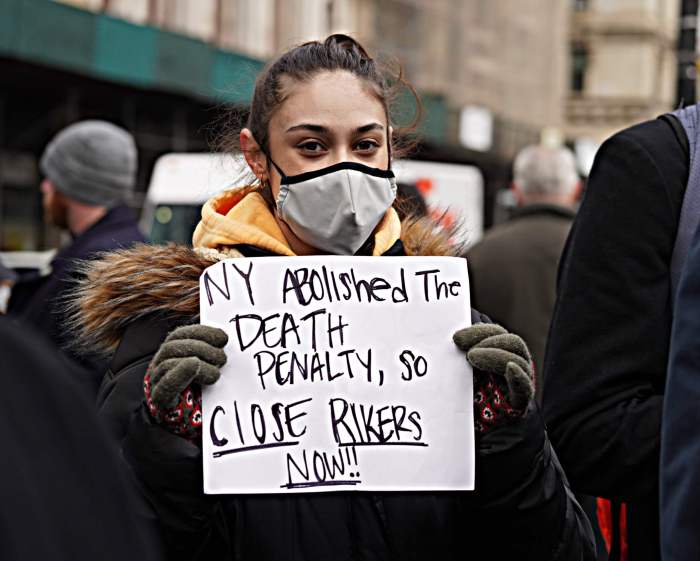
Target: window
579 64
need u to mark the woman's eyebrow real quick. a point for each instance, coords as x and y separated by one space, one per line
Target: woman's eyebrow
309 127
320 129
370 127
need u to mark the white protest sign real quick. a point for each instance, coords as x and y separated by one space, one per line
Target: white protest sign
341 375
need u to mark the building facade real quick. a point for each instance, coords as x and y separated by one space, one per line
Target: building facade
623 64
464 53
508 63
494 75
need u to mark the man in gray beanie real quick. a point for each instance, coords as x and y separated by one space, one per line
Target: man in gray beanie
89 172
92 162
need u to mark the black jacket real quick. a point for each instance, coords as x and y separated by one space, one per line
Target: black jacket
39 301
65 496
523 508
605 366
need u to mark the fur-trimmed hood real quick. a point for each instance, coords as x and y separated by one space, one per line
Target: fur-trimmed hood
122 286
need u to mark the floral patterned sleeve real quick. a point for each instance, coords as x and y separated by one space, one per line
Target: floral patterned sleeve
185 417
491 407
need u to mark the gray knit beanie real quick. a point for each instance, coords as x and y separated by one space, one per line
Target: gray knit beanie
93 162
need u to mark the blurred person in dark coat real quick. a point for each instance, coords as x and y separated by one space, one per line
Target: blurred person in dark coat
65 493
608 348
513 269
89 172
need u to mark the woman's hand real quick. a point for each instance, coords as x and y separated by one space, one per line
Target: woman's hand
503 373
190 356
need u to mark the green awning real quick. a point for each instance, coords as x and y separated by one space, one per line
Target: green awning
98 45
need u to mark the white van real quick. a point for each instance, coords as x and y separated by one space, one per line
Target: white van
181 183
454 193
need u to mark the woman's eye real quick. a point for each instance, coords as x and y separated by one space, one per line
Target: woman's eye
367 145
312 146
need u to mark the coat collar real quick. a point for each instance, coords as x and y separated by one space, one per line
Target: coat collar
543 209
117 218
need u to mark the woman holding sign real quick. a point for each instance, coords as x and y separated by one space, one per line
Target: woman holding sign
318 139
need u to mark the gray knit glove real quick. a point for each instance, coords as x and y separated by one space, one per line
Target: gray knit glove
502 365
189 354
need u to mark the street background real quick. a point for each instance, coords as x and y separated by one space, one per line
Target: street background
494 76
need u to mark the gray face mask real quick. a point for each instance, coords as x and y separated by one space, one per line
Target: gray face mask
336 209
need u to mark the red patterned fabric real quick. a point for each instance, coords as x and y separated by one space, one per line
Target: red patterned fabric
185 418
491 408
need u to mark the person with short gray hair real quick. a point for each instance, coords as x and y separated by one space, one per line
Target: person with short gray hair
513 269
89 174
546 174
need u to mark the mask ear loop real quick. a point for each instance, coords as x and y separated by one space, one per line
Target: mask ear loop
283 176
272 201
266 190
388 146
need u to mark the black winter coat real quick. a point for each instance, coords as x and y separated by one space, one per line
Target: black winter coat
605 366
522 509
65 494
39 301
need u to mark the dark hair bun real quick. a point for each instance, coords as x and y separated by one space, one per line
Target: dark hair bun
346 43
